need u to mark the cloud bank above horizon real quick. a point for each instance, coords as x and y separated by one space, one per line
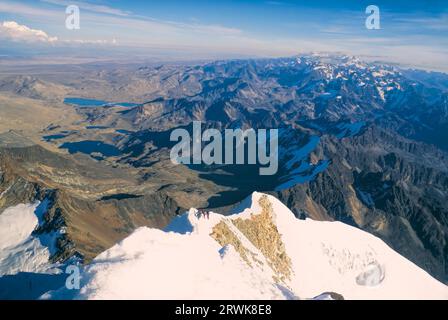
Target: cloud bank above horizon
411 33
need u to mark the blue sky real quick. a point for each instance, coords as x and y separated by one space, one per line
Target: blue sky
412 32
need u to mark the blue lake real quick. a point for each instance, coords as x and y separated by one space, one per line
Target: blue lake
82 102
125 104
85 102
96 127
88 147
54 137
122 131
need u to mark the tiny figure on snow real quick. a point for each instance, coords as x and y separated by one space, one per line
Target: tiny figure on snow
203 213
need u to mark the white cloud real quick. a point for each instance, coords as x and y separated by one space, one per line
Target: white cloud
92 42
104 16
14 31
17 32
140 32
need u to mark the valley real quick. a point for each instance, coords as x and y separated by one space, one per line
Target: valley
359 143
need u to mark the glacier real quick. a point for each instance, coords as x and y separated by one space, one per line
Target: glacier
262 251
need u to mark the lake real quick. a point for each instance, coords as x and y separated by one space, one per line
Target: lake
97 127
89 147
82 102
54 137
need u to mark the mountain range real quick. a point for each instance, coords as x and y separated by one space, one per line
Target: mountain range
361 143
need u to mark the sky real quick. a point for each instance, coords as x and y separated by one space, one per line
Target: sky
412 33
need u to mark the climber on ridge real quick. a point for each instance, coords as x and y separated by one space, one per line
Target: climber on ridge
204 213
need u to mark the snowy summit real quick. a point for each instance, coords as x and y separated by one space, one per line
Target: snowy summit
261 252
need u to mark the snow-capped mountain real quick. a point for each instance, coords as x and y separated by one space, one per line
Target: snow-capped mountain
279 92
262 251
27 250
20 249
354 147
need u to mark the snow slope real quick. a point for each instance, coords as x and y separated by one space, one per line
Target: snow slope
20 251
298 167
187 261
